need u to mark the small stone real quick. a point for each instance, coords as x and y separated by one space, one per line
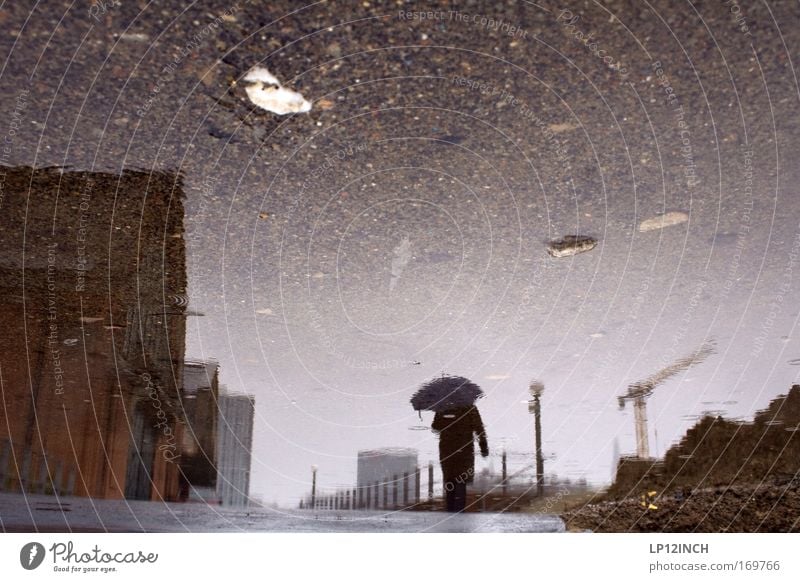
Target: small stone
135 36
335 50
663 221
571 245
561 127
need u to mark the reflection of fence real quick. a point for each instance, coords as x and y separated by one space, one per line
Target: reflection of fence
488 491
400 491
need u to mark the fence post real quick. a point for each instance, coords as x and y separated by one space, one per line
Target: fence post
430 481
417 477
505 476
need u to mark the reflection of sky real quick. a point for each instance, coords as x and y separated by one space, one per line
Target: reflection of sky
334 361
296 266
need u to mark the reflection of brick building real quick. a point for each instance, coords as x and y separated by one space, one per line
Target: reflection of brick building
91 353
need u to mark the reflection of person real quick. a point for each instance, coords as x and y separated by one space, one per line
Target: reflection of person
457 430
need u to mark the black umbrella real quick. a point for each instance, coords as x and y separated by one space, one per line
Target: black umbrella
446 392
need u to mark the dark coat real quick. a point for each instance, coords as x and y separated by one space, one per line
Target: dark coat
457 430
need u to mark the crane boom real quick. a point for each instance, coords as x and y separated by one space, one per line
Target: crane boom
639 391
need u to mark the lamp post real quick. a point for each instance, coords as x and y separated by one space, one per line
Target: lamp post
313 487
534 407
505 474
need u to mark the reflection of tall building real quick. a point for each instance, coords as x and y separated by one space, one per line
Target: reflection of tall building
386 477
234 448
91 354
198 447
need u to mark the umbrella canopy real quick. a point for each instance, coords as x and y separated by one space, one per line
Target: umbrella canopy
446 392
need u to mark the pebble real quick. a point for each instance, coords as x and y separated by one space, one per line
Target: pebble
663 221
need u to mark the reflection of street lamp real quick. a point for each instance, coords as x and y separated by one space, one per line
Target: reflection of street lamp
534 407
313 486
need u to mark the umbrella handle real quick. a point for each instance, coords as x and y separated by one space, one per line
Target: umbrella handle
420 415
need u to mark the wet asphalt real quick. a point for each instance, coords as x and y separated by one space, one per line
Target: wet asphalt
399 229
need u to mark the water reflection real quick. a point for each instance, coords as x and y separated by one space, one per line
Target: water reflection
759 458
455 198
392 479
458 429
98 398
721 452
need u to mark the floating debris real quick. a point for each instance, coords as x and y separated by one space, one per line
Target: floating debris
261 75
571 245
266 92
663 221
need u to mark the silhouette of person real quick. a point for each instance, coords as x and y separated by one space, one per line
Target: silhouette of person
457 428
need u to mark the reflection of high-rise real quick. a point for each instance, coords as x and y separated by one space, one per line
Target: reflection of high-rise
93 271
199 397
387 477
235 447
217 443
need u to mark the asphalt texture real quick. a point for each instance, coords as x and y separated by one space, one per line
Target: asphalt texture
400 228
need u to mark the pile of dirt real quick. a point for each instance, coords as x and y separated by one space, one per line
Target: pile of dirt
718 453
740 508
722 476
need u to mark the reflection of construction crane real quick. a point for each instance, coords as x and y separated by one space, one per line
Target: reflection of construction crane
639 391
